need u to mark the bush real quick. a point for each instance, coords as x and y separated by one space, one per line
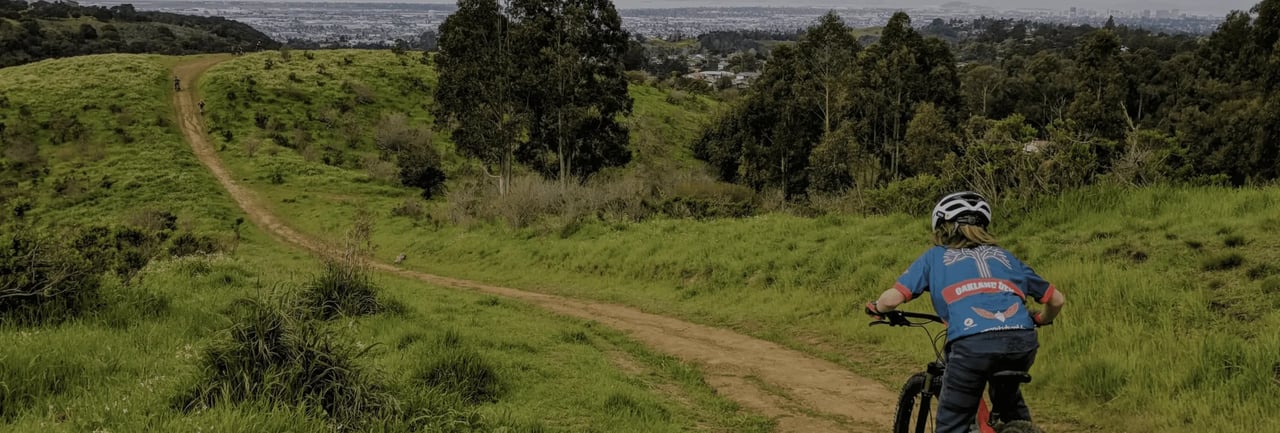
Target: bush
412 208
345 288
272 353
420 167
1271 286
1233 241
42 279
705 198
1261 271
125 250
1222 262
188 244
342 289
464 374
382 171
913 196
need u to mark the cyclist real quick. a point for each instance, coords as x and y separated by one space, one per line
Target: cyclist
177 84
980 291
201 106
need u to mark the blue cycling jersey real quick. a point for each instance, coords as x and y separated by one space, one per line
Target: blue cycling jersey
975 290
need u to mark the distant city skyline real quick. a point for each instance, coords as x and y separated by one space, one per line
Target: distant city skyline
1221 7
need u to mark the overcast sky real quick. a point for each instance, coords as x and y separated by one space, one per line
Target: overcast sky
1217 7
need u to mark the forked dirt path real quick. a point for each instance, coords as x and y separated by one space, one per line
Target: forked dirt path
804 394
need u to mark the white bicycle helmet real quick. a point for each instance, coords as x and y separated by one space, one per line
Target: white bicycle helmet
967 207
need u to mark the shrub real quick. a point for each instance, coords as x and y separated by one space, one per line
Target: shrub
383 171
345 287
412 208
913 196
465 374
188 244
43 280
704 198
272 353
1261 271
1233 241
420 167
1271 285
1222 262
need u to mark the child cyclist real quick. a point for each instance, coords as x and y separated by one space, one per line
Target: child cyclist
980 291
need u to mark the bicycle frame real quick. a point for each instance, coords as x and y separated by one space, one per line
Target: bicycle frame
934 370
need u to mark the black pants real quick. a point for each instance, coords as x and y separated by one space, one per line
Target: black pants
971 362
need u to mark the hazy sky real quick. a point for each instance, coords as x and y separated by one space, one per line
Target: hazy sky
1219 7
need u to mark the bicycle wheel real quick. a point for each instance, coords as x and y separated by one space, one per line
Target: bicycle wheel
910 417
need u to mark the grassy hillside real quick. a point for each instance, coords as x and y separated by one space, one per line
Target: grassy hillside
130 360
328 105
1171 290
40 30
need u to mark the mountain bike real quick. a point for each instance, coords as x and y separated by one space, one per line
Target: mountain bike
925 387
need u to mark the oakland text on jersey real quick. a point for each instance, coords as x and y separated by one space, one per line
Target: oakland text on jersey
979 286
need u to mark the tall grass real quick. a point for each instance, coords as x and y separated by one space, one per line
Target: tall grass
43 280
120 365
1153 328
274 353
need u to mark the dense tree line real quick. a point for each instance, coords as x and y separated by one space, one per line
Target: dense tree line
35 31
723 42
1028 109
539 82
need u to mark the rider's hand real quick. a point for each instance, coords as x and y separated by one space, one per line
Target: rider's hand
873 311
1039 321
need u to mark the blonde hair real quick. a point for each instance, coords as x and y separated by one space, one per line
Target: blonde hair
957 236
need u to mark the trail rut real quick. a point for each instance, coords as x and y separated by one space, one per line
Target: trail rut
803 393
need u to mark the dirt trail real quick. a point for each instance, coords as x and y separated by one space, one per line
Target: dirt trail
803 393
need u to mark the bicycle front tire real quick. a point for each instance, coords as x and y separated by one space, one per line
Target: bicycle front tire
910 416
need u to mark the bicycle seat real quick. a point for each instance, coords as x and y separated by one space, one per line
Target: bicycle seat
1012 376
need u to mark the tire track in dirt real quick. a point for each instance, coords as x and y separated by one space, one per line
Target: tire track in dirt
802 393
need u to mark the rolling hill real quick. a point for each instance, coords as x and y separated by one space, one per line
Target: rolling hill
1171 288
93 162
40 30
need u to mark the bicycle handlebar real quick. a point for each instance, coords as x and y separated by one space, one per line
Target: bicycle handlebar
903 318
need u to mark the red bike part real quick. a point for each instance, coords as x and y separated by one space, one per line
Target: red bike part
984 416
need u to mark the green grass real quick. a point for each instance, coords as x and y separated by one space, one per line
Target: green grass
1166 328
121 366
314 118
1150 340
123 103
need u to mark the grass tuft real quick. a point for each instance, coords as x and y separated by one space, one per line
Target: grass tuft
1260 271
1234 241
274 353
464 374
626 405
1222 262
1271 286
342 289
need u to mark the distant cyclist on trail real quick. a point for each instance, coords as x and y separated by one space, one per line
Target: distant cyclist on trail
980 291
201 106
177 84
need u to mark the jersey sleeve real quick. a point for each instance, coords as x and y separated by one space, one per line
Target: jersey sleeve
1034 285
915 281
